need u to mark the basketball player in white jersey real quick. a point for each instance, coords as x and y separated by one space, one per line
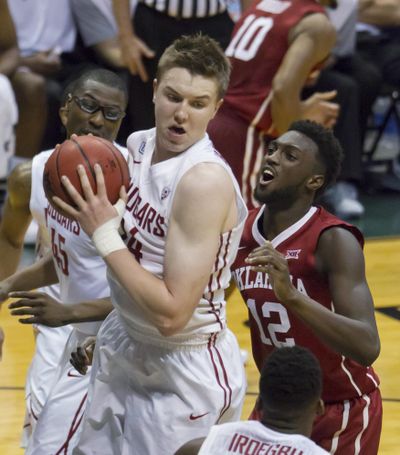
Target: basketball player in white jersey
95 104
290 394
166 368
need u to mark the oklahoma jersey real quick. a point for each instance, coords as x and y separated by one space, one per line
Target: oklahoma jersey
255 438
274 325
145 226
257 48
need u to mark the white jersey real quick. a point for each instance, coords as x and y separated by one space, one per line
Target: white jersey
253 437
80 269
145 226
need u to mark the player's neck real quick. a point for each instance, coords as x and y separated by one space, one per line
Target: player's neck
275 220
288 425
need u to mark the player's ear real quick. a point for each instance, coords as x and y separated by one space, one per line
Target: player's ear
63 111
320 408
217 106
154 89
315 182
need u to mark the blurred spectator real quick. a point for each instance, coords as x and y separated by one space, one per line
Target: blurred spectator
98 30
357 82
9 57
378 36
152 28
288 40
46 38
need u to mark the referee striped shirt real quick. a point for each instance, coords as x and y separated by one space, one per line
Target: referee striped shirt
187 9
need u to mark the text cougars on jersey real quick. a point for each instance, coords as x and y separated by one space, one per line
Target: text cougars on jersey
145 215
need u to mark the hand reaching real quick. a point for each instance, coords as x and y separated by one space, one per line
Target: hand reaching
321 109
41 308
268 260
83 356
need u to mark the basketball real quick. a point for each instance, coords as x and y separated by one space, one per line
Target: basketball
85 150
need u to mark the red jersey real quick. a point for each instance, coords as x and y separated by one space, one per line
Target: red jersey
259 43
273 325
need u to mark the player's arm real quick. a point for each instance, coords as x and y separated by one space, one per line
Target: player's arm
15 219
379 12
351 328
133 49
40 308
204 206
109 51
310 43
191 447
199 213
9 53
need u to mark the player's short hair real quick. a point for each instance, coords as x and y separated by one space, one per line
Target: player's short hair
101 75
290 381
200 55
330 151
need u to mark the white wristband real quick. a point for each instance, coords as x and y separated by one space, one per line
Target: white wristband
106 237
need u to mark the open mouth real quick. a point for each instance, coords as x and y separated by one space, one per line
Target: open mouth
177 130
94 133
267 176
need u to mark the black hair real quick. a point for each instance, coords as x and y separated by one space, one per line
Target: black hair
330 152
100 75
290 380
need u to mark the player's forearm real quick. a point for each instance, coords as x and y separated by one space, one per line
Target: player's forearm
383 13
9 61
123 19
94 310
352 338
40 274
162 308
285 108
10 257
110 53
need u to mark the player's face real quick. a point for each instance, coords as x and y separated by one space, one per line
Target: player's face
93 108
289 169
184 104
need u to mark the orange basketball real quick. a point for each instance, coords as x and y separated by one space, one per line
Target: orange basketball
85 150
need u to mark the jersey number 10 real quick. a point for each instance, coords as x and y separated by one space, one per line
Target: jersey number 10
253 31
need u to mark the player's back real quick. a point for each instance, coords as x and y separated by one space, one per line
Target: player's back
254 437
257 48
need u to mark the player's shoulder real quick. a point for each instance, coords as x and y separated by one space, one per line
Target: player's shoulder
138 140
122 149
20 178
207 179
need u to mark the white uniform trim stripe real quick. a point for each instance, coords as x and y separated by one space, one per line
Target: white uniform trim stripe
256 168
246 162
345 421
372 379
350 376
249 146
262 109
367 399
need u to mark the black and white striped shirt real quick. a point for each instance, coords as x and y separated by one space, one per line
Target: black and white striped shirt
187 9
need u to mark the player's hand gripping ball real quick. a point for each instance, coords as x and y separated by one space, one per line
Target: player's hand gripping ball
85 150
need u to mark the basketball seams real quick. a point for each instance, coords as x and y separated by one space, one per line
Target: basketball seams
63 189
85 150
85 157
117 159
